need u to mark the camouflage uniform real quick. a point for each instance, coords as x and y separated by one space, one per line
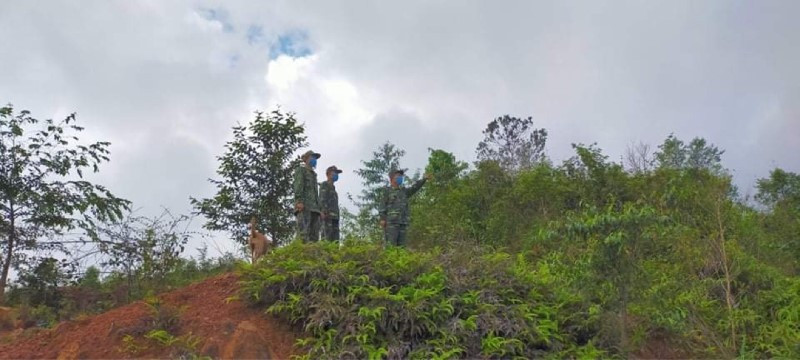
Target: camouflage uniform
305 191
329 204
394 210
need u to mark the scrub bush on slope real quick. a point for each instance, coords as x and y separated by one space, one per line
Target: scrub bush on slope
361 301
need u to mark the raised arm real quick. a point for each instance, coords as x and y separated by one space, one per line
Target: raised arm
418 185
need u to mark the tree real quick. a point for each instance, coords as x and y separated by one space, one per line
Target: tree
513 142
675 154
256 171
42 191
444 168
435 206
638 158
41 286
374 177
781 193
781 187
144 250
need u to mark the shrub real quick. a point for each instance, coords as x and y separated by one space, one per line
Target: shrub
360 301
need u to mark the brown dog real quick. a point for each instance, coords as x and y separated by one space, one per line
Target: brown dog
259 243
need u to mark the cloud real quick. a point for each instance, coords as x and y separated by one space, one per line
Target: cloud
165 81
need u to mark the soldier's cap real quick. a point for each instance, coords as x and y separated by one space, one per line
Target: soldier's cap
397 171
310 153
333 169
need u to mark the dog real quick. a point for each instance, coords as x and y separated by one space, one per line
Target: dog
259 243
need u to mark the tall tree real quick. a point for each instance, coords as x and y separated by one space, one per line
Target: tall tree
513 142
42 191
374 175
256 178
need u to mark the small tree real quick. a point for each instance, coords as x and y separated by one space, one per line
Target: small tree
444 167
513 142
40 285
374 178
638 158
782 187
675 154
256 171
781 193
42 191
144 250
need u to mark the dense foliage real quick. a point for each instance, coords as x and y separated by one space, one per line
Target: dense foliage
619 258
362 302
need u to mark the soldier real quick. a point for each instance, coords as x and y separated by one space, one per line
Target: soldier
306 198
394 207
329 204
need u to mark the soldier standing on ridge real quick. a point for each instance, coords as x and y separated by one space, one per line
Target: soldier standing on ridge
306 198
394 207
329 204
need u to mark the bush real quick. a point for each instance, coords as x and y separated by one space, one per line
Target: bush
359 301
40 316
8 318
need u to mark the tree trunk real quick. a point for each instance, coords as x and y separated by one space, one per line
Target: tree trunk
12 237
729 297
623 319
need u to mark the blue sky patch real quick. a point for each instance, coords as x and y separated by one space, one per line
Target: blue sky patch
255 34
218 15
294 44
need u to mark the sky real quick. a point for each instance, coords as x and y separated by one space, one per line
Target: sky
164 81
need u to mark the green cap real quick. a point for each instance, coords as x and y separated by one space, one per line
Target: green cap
310 153
333 169
396 171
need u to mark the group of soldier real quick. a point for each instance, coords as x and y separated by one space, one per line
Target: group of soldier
317 204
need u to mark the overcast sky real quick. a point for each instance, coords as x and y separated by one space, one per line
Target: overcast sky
164 81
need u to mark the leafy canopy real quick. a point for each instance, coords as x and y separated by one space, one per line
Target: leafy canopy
256 178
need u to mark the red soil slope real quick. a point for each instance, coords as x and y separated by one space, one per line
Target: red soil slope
225 329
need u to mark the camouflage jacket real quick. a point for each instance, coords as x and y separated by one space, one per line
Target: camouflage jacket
305 188
328 199
394 205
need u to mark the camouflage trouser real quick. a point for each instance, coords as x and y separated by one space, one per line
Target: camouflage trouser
330 229
307 226
395 234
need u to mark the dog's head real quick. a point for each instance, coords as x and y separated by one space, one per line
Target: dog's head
256 235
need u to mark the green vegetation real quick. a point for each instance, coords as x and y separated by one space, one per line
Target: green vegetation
45 300
520 257
514 256
255 178
43 193
364 302
159 331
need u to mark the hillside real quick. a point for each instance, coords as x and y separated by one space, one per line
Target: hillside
226 329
